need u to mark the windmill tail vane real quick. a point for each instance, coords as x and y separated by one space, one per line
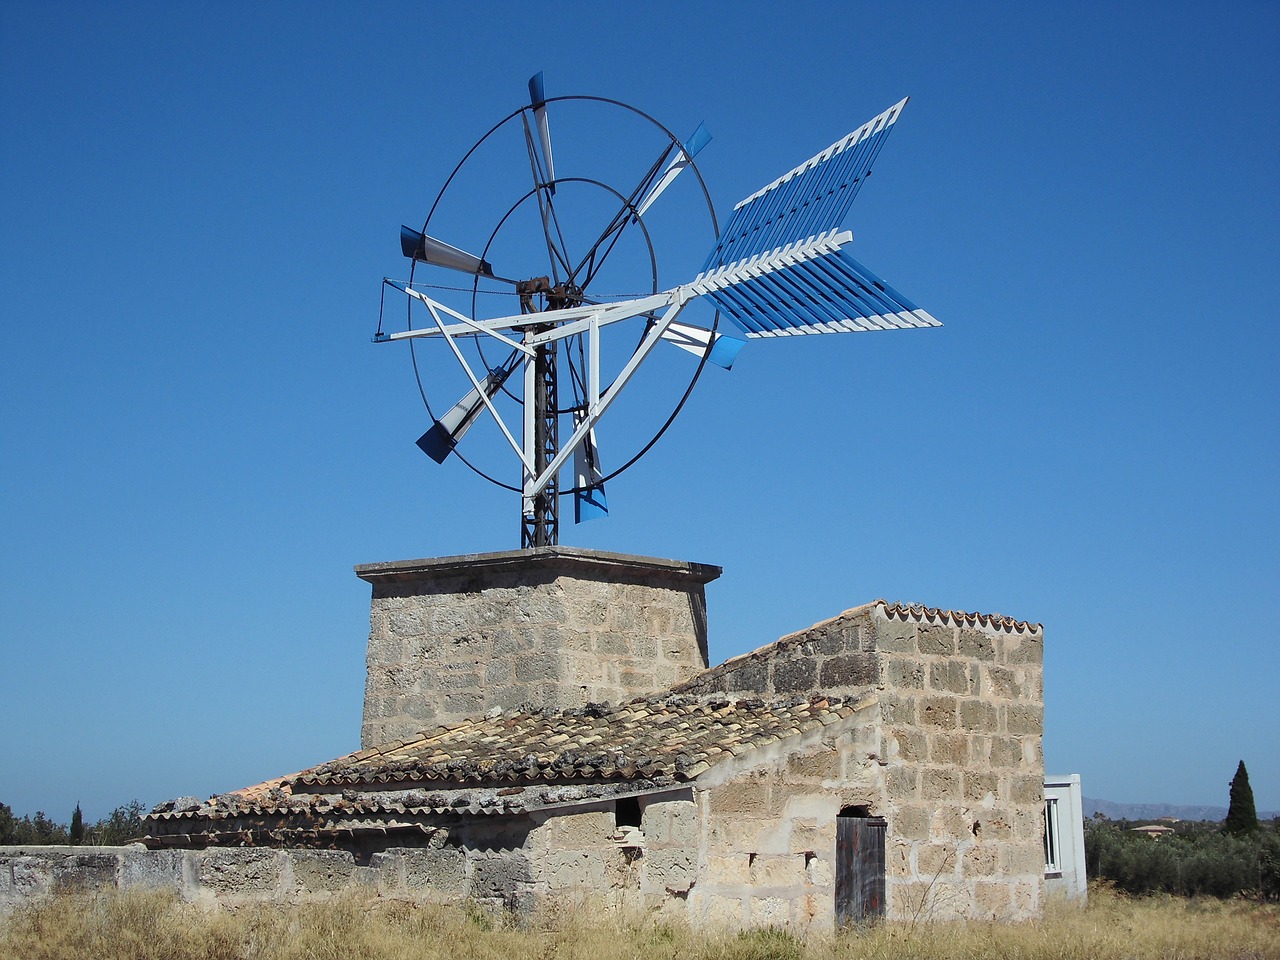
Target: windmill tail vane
778 268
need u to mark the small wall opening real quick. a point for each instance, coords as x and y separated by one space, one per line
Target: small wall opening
627 812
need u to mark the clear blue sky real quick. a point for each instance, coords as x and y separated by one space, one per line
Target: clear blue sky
198 440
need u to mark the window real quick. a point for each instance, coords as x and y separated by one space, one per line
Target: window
1052 847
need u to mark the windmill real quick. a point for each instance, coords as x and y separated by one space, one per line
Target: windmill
552 358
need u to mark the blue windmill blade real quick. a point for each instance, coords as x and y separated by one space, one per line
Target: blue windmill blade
589 501
683 159
538 100
810 199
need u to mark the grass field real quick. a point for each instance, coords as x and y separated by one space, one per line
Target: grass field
155 926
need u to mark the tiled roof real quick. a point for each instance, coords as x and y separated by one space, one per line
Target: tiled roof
678 737
993 621
507 762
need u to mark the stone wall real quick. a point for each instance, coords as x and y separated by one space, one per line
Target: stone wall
227 875
768 845
554 628
961 708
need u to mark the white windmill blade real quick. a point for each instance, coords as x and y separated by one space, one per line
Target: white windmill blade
443 437
684 158
416 245
538 100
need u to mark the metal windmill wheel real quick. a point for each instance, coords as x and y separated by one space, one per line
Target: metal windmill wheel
562 300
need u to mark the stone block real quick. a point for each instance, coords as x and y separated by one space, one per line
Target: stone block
750 677
993 899
980 787
937 640
819 871
810 836
949 676
895 636
1027 649
500 876
1000 683
979 716
740 797
30 877
731 870
152 869
1021 859
938 712
321 871
717 911
903 783
911 823
896 708
976 644
580 831
85 872
912 745
905 672
822 765
940 784
673 869
1026 789
565 870
785 870
768 912
948 748
937 860
1024 719
439 870
1005 752
795 676
239 871
851 670
980 860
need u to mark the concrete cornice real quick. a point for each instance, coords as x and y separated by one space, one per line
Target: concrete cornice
569 559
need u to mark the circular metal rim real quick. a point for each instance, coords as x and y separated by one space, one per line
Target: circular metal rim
715 225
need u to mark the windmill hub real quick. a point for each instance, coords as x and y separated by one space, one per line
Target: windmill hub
559 296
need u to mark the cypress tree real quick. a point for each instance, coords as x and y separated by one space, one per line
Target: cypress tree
1242 816
77 826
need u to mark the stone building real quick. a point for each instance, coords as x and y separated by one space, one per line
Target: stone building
543 724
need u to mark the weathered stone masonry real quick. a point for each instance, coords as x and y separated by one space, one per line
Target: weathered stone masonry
554 627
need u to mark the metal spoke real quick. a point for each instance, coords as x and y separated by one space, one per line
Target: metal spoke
618 223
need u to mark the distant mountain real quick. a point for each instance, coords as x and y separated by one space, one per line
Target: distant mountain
1154 811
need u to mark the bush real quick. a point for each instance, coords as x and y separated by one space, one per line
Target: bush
1197 863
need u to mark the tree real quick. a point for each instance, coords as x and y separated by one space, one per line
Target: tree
121 826
8 826
77 826
1242 817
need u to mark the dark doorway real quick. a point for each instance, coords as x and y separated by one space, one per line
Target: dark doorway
859 866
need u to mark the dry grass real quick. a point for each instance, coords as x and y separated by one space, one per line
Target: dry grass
155 926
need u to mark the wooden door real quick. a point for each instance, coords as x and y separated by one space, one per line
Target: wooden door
859 869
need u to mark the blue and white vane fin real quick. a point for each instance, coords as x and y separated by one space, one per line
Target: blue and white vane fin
808 287
812 198
538 100
682 159
588 499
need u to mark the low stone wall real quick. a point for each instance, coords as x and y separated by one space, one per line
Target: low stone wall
227 875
